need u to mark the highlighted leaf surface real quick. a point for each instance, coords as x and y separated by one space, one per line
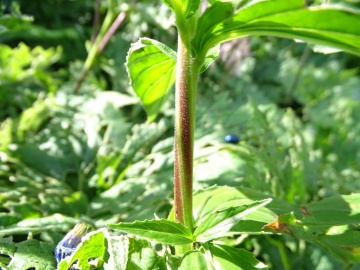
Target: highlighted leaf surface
333 223
218 209
162 231
281 18
151 68
224 257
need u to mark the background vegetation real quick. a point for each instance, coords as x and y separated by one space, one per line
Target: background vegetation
90 156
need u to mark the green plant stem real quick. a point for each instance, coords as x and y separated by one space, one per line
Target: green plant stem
108 29
282 252
186 82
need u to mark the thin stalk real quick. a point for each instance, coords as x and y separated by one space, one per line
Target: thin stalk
118 21
108 29
282 252
186 82
96 21
90 59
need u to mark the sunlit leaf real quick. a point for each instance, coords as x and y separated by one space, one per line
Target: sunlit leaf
118 249
151 68
186 7
324 25
190 7
33 254
212 16
211 56
218 223
143 256
332 223
162 231
195 260
93 246
216 199
224 257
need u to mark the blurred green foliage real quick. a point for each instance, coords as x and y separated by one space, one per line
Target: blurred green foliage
92 157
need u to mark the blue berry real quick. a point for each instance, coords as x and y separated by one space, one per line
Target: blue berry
231 139
68 244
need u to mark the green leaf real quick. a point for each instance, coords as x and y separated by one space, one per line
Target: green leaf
151 68
327 25
36 225
118 249
162 231
335 210
131 253
217 224
190 7
93 246
113 253
33 254
143 256
195 260
218 209
211 56
215 199
224 257
332 223
212 16
168 3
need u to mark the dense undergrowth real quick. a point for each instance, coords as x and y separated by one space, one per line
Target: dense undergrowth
91 157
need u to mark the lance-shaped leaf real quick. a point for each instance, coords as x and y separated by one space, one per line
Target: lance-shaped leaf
151 68
281 18
190 7
215 199
162 231
332 223
224 257
218 224
218 209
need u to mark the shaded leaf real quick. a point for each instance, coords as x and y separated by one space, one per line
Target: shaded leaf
36 225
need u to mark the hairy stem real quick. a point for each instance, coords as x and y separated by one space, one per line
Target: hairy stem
186 80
